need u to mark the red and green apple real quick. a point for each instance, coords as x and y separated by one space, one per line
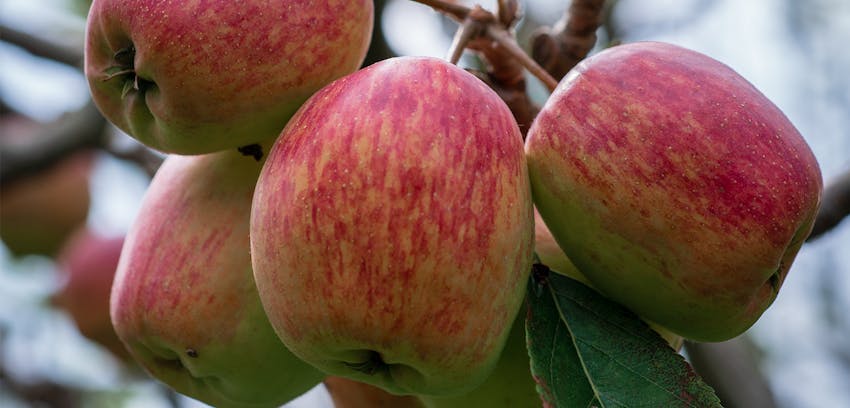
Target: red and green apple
674 185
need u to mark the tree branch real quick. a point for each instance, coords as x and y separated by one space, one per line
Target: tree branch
143 156
835 205
42 47
508 42
559 48
469 30
73 131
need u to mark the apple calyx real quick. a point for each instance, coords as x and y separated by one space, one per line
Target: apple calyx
125 69
373 364
800 235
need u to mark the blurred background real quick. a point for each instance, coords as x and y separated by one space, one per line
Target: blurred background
54 353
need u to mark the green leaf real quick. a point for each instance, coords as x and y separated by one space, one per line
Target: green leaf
555 364
587 351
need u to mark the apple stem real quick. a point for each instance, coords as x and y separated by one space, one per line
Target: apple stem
476 23
470 28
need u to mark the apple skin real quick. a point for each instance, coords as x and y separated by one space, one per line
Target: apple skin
511 385
87 264
347 393
40 211
551 255
184 300
392 228
218 74
674 185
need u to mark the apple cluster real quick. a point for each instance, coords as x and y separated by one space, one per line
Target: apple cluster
383 226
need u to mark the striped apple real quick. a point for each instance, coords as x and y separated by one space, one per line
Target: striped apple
392 228
193 77
674 185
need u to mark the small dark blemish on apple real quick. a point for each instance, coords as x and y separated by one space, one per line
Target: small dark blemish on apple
253 150
192 353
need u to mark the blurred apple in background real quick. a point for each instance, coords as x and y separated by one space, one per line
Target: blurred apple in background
87 264
39 211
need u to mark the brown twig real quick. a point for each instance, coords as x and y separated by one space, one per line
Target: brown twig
479 25
508 12
506 78
508 41
144 157
469 30
835 205
560 47
42 47
74 131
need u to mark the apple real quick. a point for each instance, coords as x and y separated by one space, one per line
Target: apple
392 228
184 300
87 264
511 384
551 255
194 77
39 211
675 186
347 393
